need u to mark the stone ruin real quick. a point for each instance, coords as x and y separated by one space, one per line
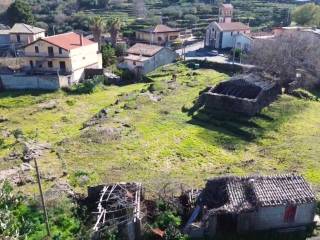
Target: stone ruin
118 207
246 94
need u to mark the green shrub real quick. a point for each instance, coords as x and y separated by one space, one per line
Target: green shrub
21 218
108 55
159 86
87 87
70 102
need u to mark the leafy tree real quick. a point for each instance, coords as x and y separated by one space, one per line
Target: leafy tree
20 12
308 14
108 55
120 50
192 19
286 54
20 218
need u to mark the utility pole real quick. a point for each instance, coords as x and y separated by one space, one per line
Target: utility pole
42 199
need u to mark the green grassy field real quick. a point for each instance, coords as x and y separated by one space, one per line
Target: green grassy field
156 141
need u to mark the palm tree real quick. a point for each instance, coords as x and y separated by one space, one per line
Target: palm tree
97 26
114 26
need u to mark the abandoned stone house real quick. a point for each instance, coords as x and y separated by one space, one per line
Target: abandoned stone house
246 94
251 204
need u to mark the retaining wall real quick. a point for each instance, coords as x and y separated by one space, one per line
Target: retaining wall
19 82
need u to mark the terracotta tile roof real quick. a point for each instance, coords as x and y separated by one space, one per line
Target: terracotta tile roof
68 40
160 28
25 28
144 49
237 194
281 190
233 26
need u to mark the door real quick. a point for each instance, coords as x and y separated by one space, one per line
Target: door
31 64
50 51
62 66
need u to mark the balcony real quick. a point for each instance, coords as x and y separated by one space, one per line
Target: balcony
46 55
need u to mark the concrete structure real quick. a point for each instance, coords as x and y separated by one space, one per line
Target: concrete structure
62 57
225 33
24 80
241 205
143 58
22 34
158 35
225 13
67 53
246 94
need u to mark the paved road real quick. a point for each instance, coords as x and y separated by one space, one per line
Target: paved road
197 51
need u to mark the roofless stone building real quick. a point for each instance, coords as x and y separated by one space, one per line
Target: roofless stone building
246 94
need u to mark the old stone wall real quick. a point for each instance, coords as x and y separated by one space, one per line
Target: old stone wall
246 106
230 103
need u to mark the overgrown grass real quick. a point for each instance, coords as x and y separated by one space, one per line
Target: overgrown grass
158 141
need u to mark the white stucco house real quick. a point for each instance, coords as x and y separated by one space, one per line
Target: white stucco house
54 62
227 34
144 58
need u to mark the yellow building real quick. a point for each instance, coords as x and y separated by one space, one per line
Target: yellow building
67 54
158 35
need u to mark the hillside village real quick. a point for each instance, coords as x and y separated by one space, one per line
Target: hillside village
158 125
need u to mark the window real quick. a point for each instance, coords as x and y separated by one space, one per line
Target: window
159 39
60 50
231 33
50 65
36 48
290 213
134 63
18 38
50 51
31 63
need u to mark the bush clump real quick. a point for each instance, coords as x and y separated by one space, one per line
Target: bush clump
158 87
86 87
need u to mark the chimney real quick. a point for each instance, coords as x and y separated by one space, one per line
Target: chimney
81 39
